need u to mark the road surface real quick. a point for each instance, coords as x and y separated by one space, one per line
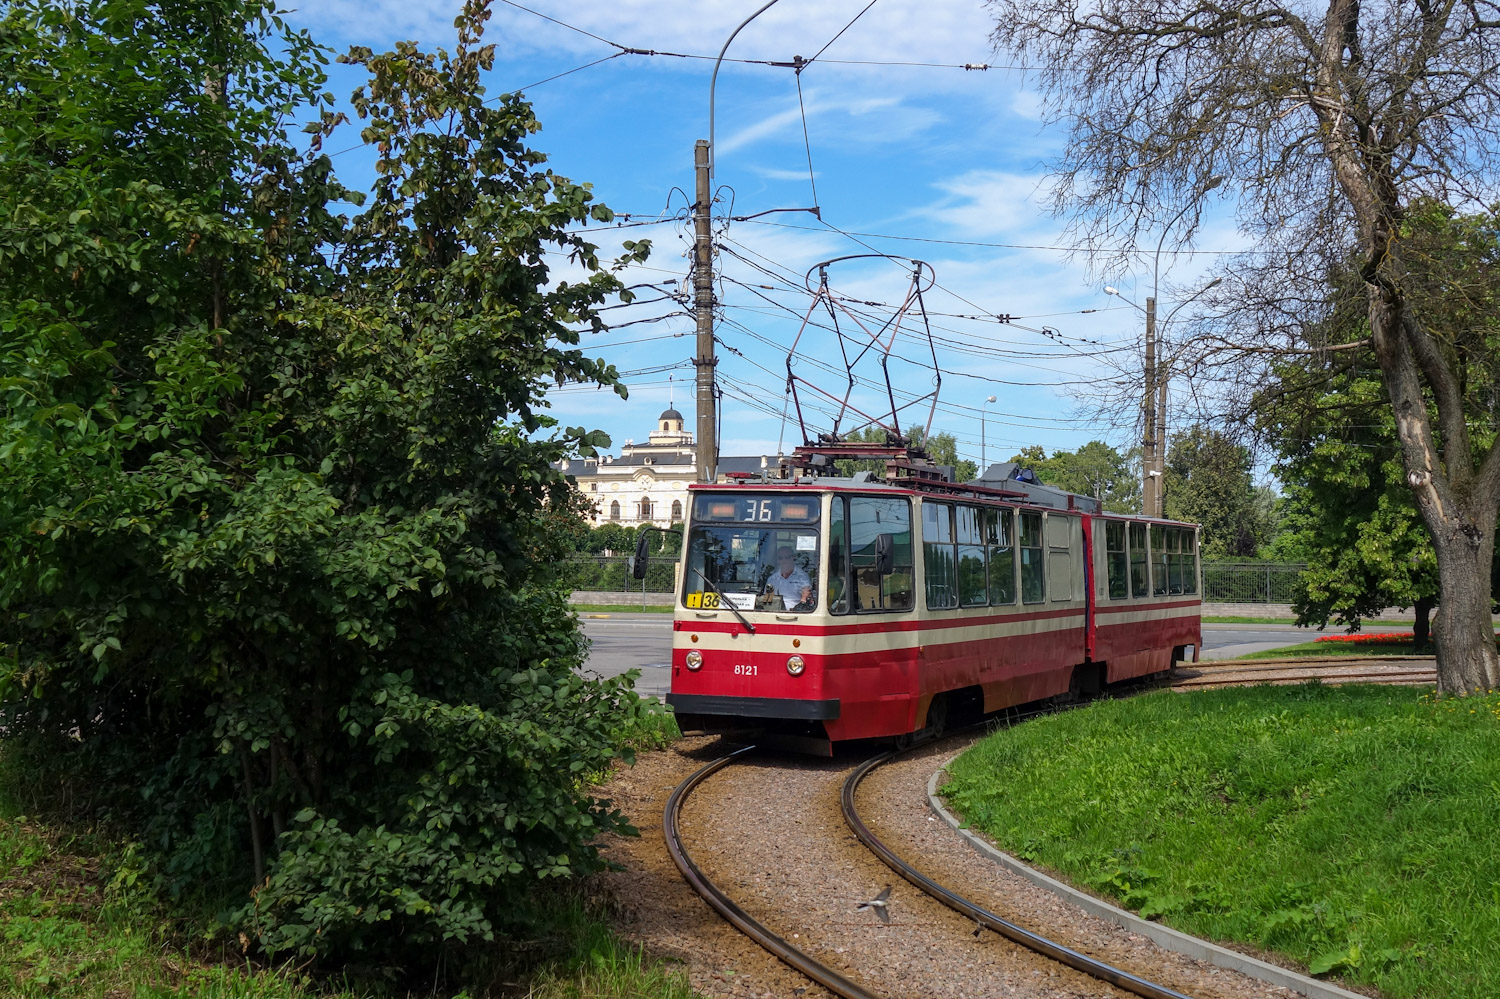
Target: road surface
643 641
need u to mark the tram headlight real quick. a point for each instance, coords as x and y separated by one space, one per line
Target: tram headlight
694 659
795 665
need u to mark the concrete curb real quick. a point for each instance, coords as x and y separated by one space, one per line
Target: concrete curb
1163 936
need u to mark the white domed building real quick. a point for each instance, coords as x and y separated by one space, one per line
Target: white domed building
647 483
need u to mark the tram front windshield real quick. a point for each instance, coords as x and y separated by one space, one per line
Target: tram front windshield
753 552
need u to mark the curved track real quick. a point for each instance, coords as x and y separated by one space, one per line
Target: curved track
725 906
1410 670
1016 934
821 973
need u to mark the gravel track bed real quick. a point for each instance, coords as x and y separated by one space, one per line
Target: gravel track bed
1375 669
893 802
651 904
769 832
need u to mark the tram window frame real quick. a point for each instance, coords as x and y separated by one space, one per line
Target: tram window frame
1000 540
1158 560
1060 558
888 590
968 535
1189 561
1116 560
1174 560
1140 561
938 549
838 547
1032 558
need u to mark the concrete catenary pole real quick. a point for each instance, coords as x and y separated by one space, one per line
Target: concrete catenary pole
1149 474
703 309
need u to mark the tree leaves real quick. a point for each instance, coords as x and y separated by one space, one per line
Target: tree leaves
277 504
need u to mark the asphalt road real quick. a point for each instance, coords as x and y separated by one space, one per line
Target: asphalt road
644 642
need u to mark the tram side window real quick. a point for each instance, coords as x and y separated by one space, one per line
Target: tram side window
1158 560
838 560
938 557
1140 581
971 581
1033 578
1189 561
871 590
1060 556
999 538
1173 560
1116 560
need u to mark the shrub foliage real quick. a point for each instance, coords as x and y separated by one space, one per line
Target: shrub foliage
277 503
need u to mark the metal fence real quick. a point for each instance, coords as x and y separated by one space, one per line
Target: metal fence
1223 582
611 574
1251 582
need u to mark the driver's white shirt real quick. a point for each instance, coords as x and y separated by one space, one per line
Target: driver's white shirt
789 588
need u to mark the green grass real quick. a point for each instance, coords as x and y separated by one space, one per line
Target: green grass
599 965
77 921
1339 649
1354 829
70 925
623 608
1240 619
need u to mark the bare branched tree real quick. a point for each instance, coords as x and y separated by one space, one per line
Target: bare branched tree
1327 121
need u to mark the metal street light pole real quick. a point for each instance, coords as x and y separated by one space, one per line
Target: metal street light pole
1154 400
983 461
703 279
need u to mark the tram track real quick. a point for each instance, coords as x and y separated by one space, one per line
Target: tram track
843 982
1381 670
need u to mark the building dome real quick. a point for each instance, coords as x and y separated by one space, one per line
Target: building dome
671 414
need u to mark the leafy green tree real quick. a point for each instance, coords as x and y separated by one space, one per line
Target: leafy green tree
277 583
1348 513
941 447
1096 469
611 538
1346 130
1208 481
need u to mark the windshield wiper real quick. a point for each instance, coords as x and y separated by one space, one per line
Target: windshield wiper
724 601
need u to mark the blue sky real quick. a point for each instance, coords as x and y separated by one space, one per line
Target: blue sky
949 158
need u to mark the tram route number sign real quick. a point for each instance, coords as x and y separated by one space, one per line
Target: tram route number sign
758 509
711 601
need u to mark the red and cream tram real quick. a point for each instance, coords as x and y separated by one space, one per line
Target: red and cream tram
824 609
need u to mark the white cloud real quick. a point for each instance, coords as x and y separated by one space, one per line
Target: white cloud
993 203
772 173
771 124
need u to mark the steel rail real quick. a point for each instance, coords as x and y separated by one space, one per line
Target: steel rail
1413 679
741 920
1032 941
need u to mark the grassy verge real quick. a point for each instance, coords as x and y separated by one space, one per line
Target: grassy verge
623 608
74 922
69 927
599 965
1240 619
1351 828
1359 651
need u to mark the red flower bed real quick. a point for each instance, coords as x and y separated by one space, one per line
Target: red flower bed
1394 638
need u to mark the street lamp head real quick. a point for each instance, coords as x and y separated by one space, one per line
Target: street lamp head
990 399
1213 182
1111 290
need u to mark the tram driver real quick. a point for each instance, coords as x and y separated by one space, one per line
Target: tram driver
788 583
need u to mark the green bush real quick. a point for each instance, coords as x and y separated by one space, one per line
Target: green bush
279 523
